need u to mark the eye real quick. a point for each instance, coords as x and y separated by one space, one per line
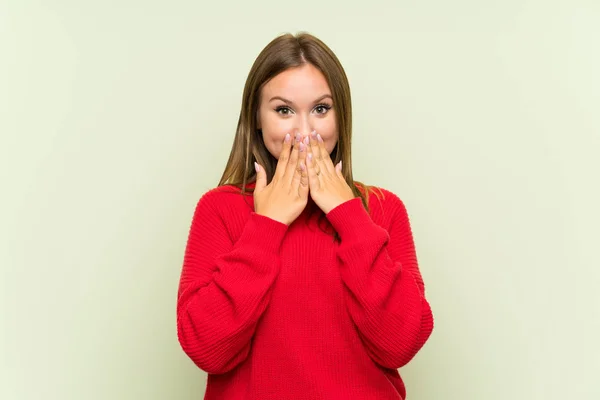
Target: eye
324 107
321 109
282 108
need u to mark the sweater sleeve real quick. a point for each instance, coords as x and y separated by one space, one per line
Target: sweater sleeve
225 287
385 294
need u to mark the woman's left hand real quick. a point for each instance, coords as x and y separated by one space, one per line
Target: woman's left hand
327 185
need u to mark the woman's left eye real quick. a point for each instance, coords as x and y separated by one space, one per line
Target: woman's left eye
324 107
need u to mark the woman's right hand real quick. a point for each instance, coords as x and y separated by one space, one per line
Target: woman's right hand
286 196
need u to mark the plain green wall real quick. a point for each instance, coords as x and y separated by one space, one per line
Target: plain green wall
483 116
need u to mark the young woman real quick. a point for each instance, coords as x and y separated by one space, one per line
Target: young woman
299 282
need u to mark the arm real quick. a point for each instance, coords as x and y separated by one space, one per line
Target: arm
385 293
225 287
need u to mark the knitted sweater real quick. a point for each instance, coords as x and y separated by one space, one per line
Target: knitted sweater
281 312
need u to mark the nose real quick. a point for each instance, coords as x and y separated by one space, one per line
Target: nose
304 128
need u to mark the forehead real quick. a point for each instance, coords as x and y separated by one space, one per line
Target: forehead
298 82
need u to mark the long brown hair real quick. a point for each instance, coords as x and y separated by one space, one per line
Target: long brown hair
284 52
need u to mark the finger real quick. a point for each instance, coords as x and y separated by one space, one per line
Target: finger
303 186
300 182
325 159
297 170
313 179
320 164
314 150
314 147
283 157
261 178
304 153
302 169
290 169
338 169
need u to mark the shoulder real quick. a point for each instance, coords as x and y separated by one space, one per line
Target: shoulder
225 198
384 204
379 197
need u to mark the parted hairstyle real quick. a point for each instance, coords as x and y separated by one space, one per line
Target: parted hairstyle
284 52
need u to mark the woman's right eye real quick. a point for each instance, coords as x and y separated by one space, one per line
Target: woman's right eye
279 109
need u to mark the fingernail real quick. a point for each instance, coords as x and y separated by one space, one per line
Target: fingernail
319 138
306 142
298 137
256 167
302 146
287 138
314 134
309 156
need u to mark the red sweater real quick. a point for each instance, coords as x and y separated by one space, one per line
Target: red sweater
281 312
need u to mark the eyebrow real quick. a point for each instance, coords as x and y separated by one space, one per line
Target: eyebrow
292 103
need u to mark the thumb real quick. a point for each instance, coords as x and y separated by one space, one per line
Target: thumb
261 177
338 169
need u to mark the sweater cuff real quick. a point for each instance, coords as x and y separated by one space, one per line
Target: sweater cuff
263 233
350 218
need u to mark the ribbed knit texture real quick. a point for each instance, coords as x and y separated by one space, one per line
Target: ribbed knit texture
273 312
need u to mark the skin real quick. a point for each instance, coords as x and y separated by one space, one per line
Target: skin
306 111
298 101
